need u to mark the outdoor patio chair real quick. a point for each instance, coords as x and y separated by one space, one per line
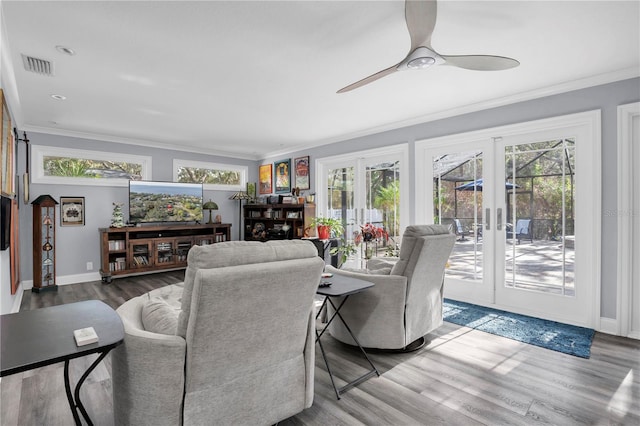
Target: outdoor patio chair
523 231
459 229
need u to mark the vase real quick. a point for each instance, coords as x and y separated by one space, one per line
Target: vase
368 251
324 232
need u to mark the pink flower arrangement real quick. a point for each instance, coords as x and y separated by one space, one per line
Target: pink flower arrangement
369 232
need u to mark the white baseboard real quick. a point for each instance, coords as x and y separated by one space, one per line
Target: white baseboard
609 326
67 279
18 300
634 335
79 278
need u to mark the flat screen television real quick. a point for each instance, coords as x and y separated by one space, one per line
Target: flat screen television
5 223
164 202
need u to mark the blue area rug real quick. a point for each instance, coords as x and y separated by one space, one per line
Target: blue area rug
556 336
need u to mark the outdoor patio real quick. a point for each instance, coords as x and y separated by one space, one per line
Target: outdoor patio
538 264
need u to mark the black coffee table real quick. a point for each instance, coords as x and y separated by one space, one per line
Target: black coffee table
342 286
33 339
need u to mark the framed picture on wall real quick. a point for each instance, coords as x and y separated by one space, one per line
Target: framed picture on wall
283 176
71 211
251 190
265 179
6 150
301 168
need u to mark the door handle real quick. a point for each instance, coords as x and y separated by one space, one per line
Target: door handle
487 215
499 224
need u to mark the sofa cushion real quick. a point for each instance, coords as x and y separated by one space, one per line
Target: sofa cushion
234 253
172 294
159 317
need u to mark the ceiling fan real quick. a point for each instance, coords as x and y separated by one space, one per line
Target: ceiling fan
421 20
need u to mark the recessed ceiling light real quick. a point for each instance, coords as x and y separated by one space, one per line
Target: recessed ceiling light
65 50
59 97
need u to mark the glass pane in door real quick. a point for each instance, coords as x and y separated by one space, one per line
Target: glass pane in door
457 200
382 203
539 195
340 197
164 252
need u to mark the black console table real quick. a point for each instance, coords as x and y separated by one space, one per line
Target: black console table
33 339
342 286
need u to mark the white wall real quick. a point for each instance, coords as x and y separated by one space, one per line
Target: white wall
605 98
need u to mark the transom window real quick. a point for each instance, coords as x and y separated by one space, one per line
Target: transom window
213 176
54 165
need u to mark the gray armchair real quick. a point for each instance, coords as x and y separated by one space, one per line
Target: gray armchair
235 345
406 301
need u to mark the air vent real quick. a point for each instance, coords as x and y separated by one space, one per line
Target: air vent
39 66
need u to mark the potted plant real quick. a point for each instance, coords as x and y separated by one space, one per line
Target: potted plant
343 250
327 227
368 234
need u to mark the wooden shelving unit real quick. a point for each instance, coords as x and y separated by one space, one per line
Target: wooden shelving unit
147 249
278 221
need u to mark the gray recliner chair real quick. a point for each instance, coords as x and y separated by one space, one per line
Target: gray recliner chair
234 346
406 302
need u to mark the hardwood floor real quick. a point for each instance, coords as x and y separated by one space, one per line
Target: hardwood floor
462 377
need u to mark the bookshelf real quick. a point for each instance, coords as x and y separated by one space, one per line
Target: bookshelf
147 249
278 221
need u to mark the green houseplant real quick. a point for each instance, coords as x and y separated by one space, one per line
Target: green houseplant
327 227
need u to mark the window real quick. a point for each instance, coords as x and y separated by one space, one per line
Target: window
213 176
65 166
366 187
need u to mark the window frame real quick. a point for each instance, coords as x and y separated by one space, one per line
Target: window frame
242 170
39 152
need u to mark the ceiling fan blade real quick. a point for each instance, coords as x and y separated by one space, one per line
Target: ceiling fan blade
481 62
369 79
421 20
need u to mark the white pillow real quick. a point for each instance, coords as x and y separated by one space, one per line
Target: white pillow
159 317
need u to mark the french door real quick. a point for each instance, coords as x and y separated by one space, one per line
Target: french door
524 202
453 167
366 187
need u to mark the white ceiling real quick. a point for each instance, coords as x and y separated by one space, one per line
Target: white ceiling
252 79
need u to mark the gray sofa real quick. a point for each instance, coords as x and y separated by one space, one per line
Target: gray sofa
232 345
406 301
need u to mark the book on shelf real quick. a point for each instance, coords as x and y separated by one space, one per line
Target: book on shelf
140 260
85 336
116 245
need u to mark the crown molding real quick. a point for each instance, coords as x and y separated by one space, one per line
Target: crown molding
557 89
565 87
139 142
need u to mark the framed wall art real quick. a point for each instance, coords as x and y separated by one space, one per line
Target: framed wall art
283 176
301 168
265 179
6 149
71 211
251 190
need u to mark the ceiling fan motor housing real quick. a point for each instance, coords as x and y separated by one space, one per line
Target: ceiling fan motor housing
422 57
